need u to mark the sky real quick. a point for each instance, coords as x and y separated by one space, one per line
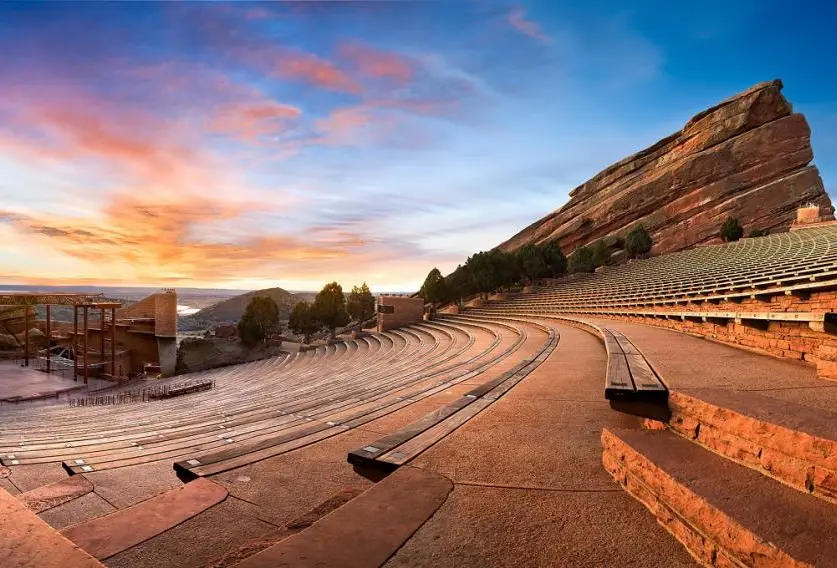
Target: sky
256 144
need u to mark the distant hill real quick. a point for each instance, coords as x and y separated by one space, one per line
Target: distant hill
233 308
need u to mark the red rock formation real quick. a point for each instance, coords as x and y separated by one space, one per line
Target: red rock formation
747 157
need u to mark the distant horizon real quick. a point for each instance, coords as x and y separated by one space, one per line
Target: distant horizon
20 287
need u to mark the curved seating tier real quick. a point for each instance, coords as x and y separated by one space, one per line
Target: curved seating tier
784 263
263 408
396 449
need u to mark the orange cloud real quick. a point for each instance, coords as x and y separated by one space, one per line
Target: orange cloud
142 237
517 18
76 127
252 120
313 69
375 63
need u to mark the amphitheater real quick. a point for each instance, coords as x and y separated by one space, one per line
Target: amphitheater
670 411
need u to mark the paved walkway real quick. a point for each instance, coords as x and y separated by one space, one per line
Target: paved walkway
529 487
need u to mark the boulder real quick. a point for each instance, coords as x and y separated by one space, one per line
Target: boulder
7 342
226 331
748 157
199 354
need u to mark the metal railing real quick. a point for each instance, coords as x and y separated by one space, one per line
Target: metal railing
146 394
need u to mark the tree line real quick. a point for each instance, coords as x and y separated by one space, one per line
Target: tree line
488 271
331 309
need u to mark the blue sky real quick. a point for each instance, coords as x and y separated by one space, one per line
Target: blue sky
260 143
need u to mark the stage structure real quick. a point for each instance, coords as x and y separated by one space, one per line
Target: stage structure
115 342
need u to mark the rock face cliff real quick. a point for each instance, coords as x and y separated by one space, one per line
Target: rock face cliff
748 157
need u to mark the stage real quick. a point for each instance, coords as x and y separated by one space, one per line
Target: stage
27 382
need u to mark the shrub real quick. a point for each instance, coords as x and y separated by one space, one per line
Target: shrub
581 260
554 258
532 263
601 254
731 230
434 290
303 321
638 242
482 273
261 317
361 303
330 307
460 284
758 233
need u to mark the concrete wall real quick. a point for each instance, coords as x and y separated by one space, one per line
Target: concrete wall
405 310
165 314
786 339
167 350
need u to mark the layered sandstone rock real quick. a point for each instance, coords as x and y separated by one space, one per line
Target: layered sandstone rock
748 157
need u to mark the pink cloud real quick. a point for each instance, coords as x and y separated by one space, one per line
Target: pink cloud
313 69
250 121
517 18
375 63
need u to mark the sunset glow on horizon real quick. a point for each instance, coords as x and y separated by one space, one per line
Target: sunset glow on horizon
257 144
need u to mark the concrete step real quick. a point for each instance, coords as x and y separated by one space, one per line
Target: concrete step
367 530
790 442
725 514
106 536
55 494
26 540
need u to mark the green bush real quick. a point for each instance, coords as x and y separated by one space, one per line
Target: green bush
303 320
581 260
361 303
758 233
601 254
638 242
434 290
330 307
260 319
731 230
555 259
530 259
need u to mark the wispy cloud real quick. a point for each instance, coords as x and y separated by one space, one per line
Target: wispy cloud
375 63
517 18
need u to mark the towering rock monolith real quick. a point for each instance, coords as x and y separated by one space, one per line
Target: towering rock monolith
749 157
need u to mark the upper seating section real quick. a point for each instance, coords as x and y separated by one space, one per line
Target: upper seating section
782 263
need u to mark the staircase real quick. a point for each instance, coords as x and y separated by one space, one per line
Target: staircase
738 478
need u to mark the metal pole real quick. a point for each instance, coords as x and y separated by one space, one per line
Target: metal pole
86 330
75 343
102 338
49 336
113 342
26 336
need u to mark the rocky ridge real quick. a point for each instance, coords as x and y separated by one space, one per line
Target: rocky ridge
749 157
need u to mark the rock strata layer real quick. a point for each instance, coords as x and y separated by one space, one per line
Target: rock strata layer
749 157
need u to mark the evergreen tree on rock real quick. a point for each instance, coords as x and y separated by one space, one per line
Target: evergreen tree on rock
638 241
361 304
731 230
554 258
580 261
260 319
532 262
303 320
330 307
435 289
